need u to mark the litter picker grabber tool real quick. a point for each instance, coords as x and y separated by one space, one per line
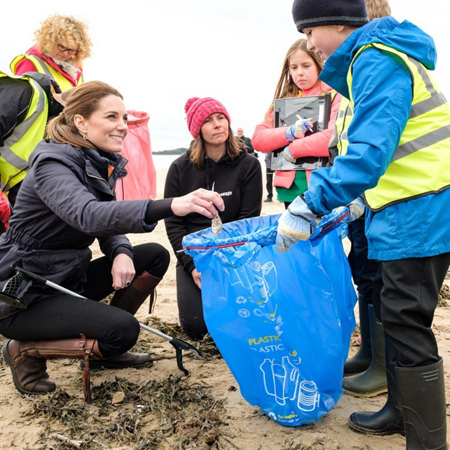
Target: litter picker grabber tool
178 344
11 297
9 293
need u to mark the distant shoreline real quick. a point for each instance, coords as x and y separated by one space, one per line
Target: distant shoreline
177 151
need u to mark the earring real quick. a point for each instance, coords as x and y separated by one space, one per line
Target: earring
85 137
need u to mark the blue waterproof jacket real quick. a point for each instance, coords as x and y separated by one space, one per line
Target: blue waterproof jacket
382 93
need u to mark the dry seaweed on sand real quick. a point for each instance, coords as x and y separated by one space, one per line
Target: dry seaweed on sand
62 407
444 295
146 416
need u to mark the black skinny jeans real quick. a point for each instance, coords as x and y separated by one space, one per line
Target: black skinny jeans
269 183
63 316
190 305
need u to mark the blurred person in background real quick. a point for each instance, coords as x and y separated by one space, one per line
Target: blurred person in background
247 141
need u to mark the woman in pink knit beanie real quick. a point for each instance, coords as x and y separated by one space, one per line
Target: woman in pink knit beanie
215 161
210 113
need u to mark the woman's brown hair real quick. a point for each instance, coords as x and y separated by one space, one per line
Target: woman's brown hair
376 9
233 147
82 100
286 86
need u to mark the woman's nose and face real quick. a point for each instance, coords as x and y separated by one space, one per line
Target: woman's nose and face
107 126
215 129
63 51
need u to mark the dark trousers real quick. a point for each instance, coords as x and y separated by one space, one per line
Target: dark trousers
63 316
364 270
269 183
190 306
405 297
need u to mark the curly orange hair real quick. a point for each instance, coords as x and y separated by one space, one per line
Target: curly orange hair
64 28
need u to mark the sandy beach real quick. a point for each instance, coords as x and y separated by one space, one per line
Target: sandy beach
202 411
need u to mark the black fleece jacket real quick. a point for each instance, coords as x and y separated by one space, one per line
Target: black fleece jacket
238 181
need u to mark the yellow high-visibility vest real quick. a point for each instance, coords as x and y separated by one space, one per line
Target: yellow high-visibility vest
18 147
47 69
420 164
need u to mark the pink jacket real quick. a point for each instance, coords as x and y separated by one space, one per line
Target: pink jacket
266 138
25 65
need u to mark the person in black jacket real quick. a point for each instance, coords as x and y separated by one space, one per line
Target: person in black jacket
216 161
27 103
66 201
247 142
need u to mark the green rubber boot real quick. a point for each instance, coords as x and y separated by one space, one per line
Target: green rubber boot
361 360
389 419
371 382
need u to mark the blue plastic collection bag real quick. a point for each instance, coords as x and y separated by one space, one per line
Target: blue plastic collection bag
282 322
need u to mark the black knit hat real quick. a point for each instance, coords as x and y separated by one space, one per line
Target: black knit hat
315 13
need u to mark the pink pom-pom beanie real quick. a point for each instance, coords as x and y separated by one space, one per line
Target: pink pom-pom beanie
199 109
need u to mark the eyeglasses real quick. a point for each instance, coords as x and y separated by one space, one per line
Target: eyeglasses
70 51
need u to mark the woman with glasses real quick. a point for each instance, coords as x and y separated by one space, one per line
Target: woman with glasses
62 44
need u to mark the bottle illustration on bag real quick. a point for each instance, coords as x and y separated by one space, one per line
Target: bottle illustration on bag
282 381
260 280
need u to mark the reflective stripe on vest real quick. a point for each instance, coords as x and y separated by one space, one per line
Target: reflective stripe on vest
47 69
343 119
18 147
420 164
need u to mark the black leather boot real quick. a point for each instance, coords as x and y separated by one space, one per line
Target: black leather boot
422 391
361 361
130 299
389 420
371 382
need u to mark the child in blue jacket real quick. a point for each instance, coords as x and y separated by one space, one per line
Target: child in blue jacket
398 158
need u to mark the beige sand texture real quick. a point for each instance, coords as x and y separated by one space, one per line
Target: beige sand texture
25 423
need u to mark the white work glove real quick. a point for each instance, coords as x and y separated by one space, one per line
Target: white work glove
339 216
356 209
298 222
287 155
298 129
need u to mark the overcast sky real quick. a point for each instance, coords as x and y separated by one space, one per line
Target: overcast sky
159 53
